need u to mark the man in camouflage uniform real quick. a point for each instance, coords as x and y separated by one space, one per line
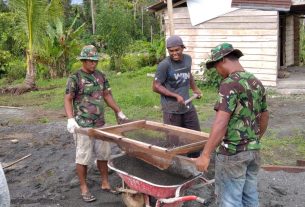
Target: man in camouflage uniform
86 92
240 122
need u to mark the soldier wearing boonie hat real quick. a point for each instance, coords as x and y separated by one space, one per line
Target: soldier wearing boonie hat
220 51
173 79
241 120
87 91
89 52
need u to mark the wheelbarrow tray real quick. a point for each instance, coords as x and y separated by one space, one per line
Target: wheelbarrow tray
148 185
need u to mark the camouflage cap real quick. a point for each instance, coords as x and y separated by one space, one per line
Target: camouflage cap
220 51
89 52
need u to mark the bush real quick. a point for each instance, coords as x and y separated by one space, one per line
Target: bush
142 71
16 70
211 78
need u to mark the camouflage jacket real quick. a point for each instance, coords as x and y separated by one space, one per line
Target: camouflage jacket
243 96
88 103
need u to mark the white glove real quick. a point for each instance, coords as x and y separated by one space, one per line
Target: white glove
72 125
122 116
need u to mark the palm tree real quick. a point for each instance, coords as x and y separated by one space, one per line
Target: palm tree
34 18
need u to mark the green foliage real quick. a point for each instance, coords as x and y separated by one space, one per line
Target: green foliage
114 28
12 38
59 50
157 49
211 78
15 70
142 71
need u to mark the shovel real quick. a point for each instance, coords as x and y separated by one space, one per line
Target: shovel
176 107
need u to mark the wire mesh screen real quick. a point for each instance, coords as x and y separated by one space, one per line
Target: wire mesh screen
158 138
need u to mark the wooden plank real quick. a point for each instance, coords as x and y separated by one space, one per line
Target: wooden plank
269 84
234 19
198 57
252 51
265 77
103 135
188 148
259 64
193 135
117 129
228 25
196 32
229 38
240 44
251 12
290 169
183 13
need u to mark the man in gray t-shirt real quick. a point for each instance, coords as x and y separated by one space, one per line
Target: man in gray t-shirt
173 79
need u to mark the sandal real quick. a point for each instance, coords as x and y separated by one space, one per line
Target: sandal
88 197
110 191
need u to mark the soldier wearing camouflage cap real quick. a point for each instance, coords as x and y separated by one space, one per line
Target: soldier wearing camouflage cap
240 122
87 91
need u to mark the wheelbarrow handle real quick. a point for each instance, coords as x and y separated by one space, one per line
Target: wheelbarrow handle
182 199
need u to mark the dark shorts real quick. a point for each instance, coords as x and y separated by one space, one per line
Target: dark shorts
187 120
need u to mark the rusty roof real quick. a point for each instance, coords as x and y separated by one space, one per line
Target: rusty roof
161 5
278 5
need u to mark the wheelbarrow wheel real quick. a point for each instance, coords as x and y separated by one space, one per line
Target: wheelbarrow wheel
133 200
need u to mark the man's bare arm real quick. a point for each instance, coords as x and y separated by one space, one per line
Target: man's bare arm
158 88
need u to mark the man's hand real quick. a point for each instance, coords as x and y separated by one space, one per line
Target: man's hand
72 125
180 99
122 116
202 163
198 92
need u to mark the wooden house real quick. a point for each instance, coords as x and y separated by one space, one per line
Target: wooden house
266 31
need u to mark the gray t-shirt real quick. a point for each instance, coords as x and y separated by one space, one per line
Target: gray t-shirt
175 77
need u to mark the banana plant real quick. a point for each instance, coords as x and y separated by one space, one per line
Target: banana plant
60 46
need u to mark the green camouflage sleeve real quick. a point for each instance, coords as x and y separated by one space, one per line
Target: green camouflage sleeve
264 103
71 85
227 98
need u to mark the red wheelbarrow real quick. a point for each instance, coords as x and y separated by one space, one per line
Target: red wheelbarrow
151 183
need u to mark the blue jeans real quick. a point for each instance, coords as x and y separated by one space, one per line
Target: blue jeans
236 179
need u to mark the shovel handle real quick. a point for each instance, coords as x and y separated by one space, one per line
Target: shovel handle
191 98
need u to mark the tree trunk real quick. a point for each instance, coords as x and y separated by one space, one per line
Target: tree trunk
30 77
29 82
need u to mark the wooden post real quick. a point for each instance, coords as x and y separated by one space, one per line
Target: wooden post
92 16
170 17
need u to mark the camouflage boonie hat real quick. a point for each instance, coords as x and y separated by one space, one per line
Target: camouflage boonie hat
89 52
220 51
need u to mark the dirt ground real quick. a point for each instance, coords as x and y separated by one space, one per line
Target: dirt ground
47 177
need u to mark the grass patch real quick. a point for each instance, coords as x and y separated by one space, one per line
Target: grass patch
283 151
132 91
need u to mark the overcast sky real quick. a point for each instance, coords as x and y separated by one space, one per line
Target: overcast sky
77 1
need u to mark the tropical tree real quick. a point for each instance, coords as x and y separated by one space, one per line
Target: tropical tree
62 44
114 28
34 19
